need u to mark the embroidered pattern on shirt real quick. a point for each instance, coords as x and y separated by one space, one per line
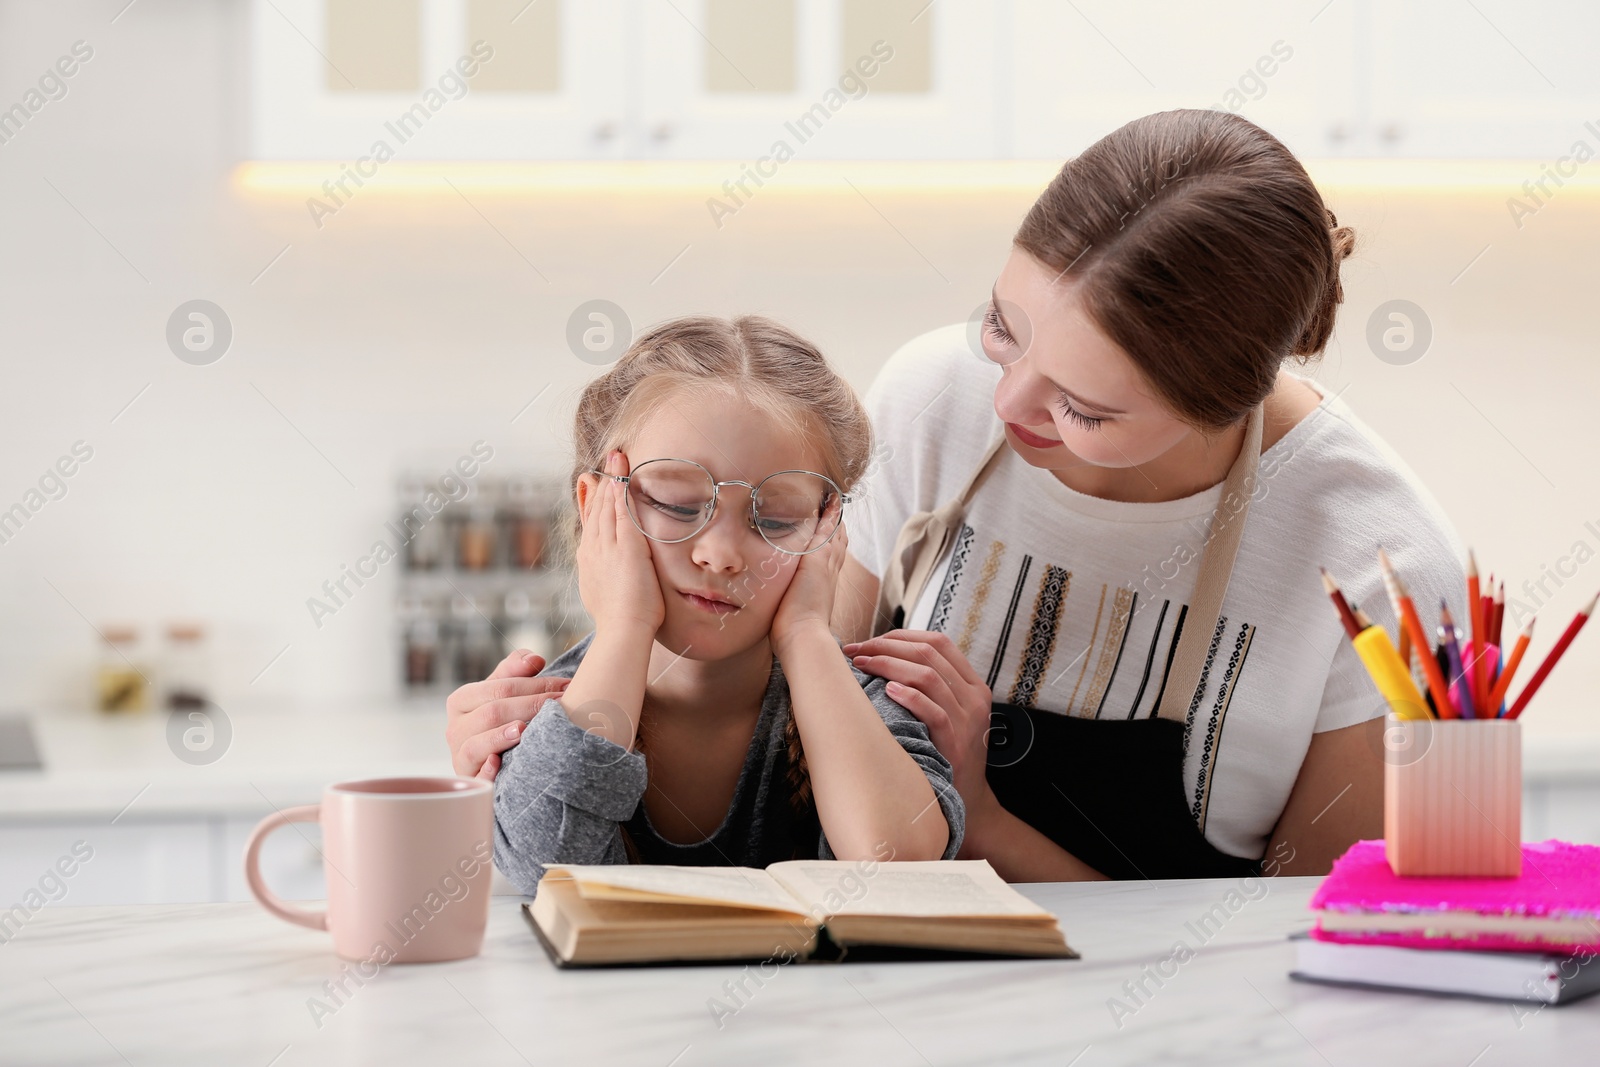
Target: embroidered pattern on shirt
1205 676
980 596
1083 657
1006 623
952 579
1053 588
1149 660
1219 711
1110 650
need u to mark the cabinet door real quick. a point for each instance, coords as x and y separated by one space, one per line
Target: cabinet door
1486 79
349 80
131 862
815 79
1081 70
291 861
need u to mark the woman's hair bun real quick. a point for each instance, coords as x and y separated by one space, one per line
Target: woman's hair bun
1314 338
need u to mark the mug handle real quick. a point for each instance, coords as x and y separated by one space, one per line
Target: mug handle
316 920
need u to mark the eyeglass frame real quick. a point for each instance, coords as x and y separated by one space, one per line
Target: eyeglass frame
716 493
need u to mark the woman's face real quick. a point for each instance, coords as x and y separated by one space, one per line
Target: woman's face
1068 394
727 561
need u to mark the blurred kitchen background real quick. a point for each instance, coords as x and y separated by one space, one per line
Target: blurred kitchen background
417 227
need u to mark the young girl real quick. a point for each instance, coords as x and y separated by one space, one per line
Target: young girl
712 718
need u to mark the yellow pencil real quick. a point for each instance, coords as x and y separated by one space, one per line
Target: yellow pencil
1388 672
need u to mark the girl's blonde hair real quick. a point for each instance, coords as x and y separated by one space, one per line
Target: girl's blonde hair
751 359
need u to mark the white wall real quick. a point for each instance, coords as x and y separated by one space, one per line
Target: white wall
406 328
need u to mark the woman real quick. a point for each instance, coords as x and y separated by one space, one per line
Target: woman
1108 526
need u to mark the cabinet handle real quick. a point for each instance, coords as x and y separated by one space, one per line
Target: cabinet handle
663 132
606 130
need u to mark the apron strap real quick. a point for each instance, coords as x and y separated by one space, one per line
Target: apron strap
1216 567
919 547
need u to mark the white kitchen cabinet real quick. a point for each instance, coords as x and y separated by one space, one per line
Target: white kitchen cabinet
1490 78
306 104
829 79
1352 78
641 79
967 79
132 862
1081 70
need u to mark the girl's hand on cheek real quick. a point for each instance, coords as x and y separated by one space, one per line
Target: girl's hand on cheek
616 577
809 599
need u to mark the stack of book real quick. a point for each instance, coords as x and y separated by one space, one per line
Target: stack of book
1534 937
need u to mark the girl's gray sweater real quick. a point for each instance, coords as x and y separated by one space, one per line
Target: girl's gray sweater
563 794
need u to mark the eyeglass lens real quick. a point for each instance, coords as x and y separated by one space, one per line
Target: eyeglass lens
795 511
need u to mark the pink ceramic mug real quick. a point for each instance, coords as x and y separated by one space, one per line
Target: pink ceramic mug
408 862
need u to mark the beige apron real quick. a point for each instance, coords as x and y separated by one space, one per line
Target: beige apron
926 536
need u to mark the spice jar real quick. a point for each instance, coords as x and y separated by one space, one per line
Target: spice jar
121 683
526 523
424 533
476 539
187 674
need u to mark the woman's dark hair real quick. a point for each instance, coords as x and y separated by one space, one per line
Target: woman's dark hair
1201 247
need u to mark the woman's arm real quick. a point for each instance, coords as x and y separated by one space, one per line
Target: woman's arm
1017 851
933 680
1337 799
869 791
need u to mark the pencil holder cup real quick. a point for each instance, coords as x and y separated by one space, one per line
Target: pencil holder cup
1452 797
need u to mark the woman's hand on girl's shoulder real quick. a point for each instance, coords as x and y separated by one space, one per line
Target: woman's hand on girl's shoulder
616 578
486 718
931 678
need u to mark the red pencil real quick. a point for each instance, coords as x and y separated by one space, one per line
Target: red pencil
1498 619
1475 679
1550 661
1346 616
1503 683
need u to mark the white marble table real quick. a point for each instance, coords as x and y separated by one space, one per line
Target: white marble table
228 984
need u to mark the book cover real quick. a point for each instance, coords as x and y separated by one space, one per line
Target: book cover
1554 905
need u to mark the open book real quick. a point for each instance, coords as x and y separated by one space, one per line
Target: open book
800 909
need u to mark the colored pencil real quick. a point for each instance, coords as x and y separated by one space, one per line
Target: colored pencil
1550 660
1346 616
1498 696
1480 690
1500 615
1458 667
1405 610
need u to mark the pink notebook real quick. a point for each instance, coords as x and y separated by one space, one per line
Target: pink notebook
1553 906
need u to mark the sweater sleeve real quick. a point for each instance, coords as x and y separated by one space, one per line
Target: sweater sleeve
560 797
913 737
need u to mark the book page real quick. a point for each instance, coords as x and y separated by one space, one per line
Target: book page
922 888
743 887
